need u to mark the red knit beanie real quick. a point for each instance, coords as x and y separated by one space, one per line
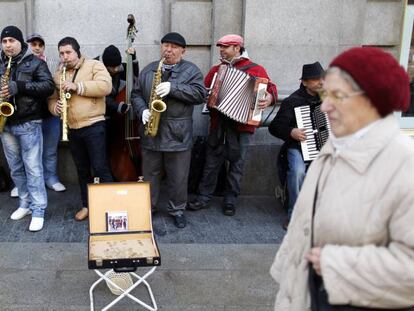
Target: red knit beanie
379 75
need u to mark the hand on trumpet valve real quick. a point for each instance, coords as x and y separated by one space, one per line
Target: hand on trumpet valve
58 107
145 116
163 89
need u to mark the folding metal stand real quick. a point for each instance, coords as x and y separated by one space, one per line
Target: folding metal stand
126 292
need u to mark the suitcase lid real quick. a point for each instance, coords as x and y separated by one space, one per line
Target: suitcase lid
131 197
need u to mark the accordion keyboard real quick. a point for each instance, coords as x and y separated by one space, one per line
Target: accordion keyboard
304 121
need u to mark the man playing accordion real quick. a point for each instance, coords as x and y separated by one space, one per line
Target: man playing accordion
229 139
284 126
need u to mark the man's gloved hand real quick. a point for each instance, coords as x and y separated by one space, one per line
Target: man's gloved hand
145 116
163 89
123 108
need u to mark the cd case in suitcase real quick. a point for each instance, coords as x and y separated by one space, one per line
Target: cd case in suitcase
120 227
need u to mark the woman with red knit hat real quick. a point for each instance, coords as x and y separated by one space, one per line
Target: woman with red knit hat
350 243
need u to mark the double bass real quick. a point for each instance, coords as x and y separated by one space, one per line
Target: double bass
124 141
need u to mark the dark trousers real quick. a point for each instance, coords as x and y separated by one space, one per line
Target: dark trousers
88 149
319 297
214 161
177 167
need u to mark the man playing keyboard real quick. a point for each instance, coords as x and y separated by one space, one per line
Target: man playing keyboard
284 126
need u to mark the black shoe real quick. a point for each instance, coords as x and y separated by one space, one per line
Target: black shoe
229 209
285 225
180 221
196 205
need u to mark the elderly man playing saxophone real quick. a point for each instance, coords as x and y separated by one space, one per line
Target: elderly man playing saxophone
179 84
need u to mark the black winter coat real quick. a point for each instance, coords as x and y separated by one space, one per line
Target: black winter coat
34 85
285 120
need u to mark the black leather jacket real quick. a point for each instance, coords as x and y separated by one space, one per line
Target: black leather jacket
34 84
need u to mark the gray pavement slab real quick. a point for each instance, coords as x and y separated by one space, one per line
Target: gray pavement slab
37 276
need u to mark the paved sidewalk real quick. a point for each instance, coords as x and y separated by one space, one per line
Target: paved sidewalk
216 263
193 277
257 220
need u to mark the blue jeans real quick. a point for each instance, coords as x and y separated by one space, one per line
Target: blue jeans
295 176
23 147
88 149
51 136
211 171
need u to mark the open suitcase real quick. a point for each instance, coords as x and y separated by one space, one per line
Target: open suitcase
121 236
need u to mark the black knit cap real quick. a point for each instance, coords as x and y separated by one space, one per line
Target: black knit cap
111 56
13 32
174 37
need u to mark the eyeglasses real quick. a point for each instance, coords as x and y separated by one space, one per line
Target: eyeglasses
337 96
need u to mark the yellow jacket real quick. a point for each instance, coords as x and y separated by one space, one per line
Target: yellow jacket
87 105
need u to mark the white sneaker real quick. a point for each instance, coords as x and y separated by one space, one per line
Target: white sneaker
36 224
20 213
58 187
14 193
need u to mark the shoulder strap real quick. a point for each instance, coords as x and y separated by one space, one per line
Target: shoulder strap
74 76
246 67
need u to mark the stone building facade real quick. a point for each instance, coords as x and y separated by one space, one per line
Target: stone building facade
280 35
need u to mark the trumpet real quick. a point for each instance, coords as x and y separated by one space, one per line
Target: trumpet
63 98
6 109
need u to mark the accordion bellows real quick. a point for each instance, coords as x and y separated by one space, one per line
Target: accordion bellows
236 94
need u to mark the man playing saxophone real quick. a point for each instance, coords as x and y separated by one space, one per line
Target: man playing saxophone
177 83
27 85
88 82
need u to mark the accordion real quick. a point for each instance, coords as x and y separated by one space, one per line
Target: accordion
317 128
236 94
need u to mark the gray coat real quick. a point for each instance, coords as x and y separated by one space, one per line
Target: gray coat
175 131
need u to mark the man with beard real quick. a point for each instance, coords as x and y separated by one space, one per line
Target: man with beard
228 139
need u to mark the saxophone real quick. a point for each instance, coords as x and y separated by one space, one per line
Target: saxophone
63 97
157 106
6 109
